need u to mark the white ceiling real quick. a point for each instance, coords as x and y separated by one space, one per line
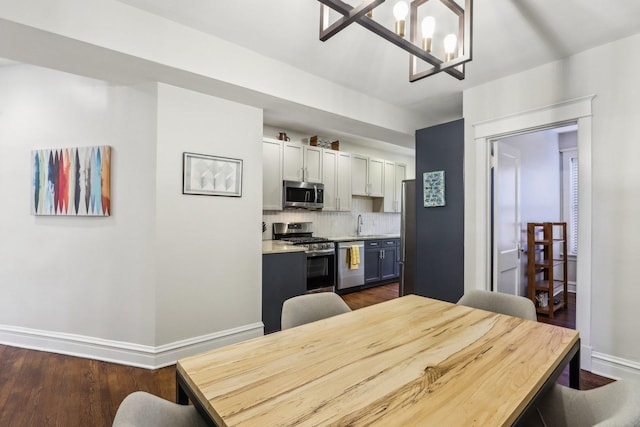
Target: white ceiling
509 36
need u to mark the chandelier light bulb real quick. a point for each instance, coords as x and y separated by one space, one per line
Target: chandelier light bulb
400 11
450 42
428 28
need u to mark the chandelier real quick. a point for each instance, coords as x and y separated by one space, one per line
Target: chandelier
457 47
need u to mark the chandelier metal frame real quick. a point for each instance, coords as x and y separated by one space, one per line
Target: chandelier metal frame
455 67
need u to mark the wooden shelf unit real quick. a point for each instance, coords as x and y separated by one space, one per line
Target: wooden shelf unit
547 265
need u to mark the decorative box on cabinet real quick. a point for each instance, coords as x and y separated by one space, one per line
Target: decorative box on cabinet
547 265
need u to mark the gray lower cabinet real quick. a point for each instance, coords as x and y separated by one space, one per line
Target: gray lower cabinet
284 276
381 260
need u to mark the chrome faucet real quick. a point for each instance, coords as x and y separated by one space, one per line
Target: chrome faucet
359 225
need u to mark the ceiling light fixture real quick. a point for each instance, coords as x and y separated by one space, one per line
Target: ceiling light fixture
456 48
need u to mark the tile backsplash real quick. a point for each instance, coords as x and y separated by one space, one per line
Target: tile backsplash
327 224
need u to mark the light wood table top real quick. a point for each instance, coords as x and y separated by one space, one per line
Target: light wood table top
408 361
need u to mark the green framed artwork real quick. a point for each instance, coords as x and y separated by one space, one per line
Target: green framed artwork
433 185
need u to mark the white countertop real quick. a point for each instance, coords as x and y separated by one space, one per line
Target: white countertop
278 247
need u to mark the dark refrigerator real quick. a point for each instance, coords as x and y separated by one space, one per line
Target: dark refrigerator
408 238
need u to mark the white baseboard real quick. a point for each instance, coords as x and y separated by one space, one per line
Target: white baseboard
614 367
124 353
585 357
571 287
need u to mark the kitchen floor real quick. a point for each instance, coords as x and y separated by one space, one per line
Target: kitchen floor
371 296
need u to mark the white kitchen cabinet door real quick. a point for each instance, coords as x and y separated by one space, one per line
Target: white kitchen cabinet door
359 175
344 181
293 161
401 175
389 204
312 164
272 175
330 179
376 177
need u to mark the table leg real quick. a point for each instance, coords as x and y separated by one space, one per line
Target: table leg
181 395
184 394
574 371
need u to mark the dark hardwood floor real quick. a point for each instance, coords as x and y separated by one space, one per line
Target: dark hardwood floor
46 389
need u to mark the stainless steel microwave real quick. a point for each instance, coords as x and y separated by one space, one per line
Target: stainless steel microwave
303 195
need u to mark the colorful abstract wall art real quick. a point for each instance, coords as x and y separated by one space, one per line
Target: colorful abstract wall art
71 181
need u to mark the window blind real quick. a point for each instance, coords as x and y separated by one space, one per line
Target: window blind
573 205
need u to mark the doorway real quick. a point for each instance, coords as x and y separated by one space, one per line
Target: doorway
479 263
533 179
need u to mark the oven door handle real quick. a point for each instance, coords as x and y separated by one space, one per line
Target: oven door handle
321 252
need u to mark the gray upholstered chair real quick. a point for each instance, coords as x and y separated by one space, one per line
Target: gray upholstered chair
308 308
142 409
613 405
500 303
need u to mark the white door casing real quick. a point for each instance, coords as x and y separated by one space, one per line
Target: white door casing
579 110
506 222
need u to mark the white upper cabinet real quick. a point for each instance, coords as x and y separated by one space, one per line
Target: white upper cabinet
401 175
359 175
389 186
293 162
336 177
330 180
376 177
271 174
301 162
394 174
344 181
312 163
343 175
367 176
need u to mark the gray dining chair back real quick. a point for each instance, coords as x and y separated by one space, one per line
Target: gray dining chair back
308 308
616 404
500 303
142 409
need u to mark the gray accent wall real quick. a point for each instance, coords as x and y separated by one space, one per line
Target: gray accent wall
440 230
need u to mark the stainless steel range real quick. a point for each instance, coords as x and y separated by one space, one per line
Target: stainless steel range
321 265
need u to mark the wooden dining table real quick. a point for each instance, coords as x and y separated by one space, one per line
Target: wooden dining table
408 361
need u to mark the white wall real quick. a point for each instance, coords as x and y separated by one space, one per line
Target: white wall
610 72
166 275
539 184
90 276
109 39
209 271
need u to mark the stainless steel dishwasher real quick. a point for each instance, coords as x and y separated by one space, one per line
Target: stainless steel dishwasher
348 278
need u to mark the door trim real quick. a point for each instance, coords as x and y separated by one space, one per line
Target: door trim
577 110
